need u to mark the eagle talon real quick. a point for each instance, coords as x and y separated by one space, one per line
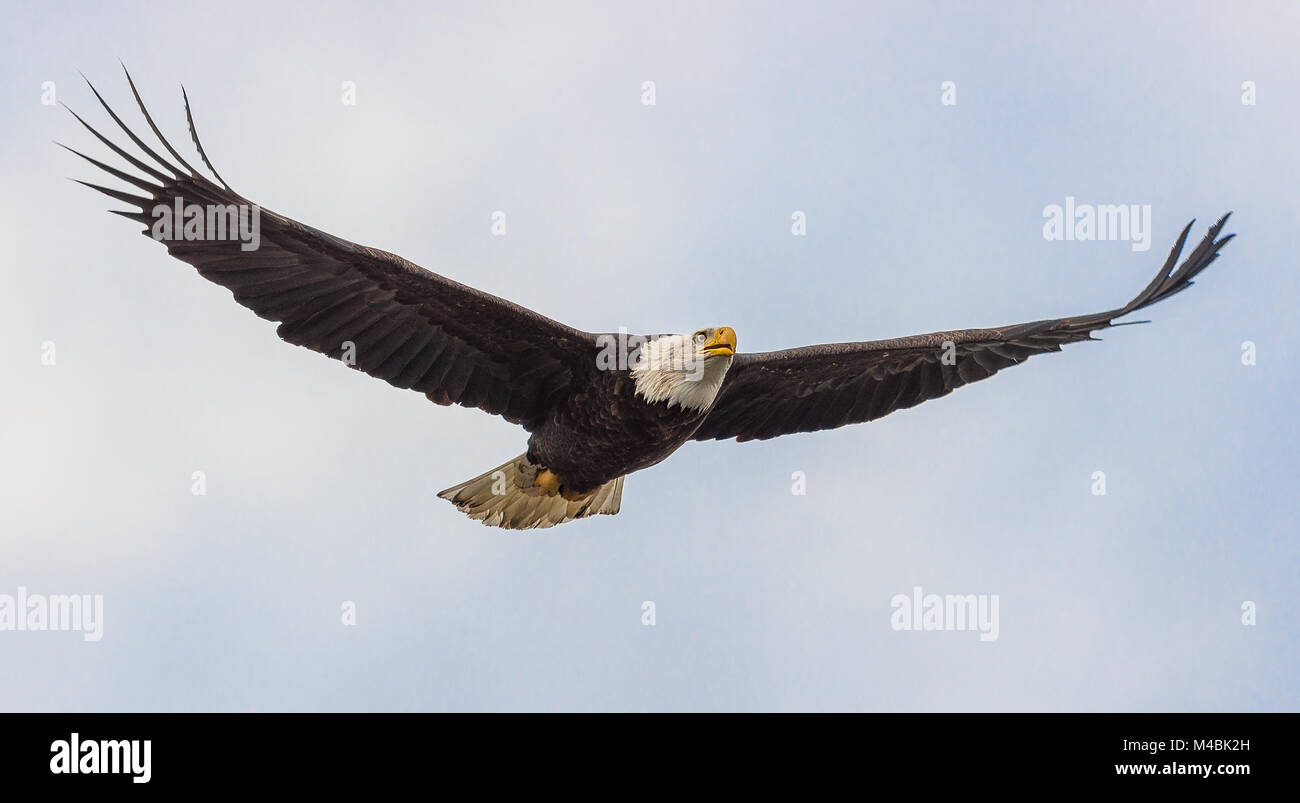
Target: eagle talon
547 482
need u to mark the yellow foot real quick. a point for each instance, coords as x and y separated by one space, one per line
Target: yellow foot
574 497
547 482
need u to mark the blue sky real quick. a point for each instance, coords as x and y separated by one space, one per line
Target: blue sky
920 217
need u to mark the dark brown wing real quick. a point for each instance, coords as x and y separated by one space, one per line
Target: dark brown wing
406 325
824 387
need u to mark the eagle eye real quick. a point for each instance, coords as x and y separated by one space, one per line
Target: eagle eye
701 338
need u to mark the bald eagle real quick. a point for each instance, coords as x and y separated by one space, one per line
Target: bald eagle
597 406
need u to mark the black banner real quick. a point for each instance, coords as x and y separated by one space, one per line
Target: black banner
1220 752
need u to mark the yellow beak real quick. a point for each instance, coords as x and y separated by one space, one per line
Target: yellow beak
723 342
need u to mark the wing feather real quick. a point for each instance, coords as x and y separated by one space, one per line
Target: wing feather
401 323
823 387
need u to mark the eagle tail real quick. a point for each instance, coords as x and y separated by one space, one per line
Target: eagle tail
507 496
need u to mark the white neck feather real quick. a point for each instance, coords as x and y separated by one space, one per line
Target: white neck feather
669 370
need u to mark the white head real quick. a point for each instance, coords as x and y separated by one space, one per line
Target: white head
685 370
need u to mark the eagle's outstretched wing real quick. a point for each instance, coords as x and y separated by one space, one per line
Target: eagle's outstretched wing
823 387
406 325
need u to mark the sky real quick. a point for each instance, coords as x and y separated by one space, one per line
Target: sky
918 143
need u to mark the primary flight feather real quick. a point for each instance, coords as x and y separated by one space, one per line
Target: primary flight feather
598 406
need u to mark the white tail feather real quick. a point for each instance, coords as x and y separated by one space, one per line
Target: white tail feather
506 497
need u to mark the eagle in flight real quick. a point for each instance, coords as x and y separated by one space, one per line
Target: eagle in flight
594 414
